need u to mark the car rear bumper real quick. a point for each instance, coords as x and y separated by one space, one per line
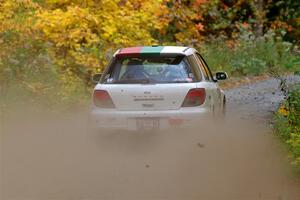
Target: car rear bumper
106 119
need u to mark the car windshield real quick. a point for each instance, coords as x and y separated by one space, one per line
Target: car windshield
154 69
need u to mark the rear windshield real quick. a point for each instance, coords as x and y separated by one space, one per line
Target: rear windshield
154 69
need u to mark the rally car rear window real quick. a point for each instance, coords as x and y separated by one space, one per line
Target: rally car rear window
152 69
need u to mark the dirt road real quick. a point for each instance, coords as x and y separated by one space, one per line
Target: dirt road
50 157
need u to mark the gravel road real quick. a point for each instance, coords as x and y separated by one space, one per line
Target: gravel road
50 157
257 101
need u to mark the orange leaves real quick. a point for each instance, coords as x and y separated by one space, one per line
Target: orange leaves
200 2
277 24
184 26
245 25
199 27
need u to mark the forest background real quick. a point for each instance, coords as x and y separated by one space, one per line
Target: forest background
50 48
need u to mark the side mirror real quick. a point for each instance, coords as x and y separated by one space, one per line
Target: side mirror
221 76
96 78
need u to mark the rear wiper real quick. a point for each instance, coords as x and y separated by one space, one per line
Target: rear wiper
145 81
142 81
179 81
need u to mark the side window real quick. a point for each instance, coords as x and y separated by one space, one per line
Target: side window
203 64
122 71
204 71
195 67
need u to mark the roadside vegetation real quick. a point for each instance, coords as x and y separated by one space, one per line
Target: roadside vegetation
50 48
287 124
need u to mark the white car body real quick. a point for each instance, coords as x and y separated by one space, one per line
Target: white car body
156 105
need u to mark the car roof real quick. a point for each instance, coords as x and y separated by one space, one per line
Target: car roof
154 50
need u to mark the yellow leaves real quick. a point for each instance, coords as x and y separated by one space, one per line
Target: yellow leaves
283 111
71 88
71 31
10 8
68 28
129 23
87 59
80 32
73 26
17 15
16 19
60 2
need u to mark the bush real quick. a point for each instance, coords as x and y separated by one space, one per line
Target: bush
287 124
250 56
29 77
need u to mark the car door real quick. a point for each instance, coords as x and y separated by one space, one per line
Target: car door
214 88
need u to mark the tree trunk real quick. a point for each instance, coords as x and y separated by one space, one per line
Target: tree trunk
260 15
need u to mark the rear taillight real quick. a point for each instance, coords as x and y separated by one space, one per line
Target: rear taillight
195 97
102 99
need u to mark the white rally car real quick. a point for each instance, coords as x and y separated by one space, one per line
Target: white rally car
155 87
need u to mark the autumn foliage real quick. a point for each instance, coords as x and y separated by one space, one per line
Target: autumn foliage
49 48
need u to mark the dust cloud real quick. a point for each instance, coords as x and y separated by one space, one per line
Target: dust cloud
52 157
